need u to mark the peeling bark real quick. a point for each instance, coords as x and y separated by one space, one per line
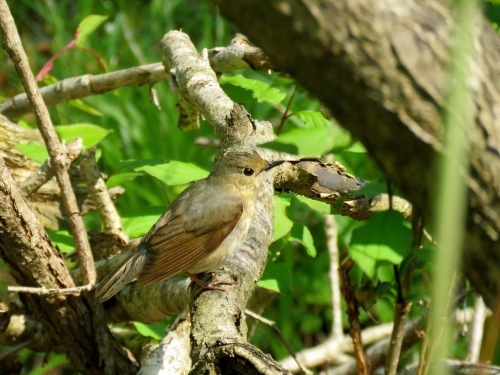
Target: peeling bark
381 68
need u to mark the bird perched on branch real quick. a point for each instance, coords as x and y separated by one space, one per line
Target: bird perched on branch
202 227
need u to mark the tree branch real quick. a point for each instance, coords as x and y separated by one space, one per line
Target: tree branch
381 71
59 162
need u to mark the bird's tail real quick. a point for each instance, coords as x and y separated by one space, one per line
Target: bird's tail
128 271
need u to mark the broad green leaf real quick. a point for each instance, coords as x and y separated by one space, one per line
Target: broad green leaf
312 119
172 172
307 142
89 133
119 178
319 206
87 26
63 239
261 91
175 172
282 224
156 331
277 278
302 235
137 224
385 238
33 151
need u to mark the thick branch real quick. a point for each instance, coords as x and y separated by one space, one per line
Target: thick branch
59 163
218 323
33 261
381 70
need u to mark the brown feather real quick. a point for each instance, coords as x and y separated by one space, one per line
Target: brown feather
172 249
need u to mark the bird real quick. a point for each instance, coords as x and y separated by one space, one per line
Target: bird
205 224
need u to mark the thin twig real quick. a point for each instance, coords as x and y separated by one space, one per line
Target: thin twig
397 336
285 115
86 85
276 329
59 163
476 335
331 231
99 192
362 361
44 173
50 291
15 349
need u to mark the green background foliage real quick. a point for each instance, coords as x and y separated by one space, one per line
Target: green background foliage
142 150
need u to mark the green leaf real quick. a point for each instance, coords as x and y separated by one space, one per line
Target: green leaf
319 206
312 119
175 172
119 178
282 224
277 278
385 238
260 90
89 133
63 239
137 223
302 235
87 26
156 331
309 142
33 151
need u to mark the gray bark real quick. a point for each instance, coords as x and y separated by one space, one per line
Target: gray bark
381 68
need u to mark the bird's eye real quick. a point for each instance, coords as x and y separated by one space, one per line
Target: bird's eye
248 171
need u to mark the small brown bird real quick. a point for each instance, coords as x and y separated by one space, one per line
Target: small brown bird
203 226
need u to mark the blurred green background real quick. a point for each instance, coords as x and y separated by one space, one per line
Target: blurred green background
143 133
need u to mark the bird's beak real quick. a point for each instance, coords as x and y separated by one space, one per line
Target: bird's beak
273 164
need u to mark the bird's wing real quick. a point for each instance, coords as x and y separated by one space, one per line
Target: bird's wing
172 248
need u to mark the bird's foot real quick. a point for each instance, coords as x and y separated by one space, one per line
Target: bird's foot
210 285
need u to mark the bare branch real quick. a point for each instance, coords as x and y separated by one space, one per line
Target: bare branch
363 363
282 338
44 173
476 335
331 231
100 195
86 85
50 291
59 162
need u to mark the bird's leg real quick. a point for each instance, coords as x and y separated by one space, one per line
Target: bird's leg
211 285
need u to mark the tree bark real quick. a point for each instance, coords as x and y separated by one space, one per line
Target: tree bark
381 68
35 262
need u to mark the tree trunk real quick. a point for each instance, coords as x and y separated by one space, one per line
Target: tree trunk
381 68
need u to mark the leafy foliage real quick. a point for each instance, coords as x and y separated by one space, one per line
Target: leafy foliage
143 151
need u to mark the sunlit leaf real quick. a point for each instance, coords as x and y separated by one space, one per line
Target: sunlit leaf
277 278
89 133
87 26
33 151
63 239
261 91
302 235
175 172
138 223
385 238
156 331
307 142
312 119
282 224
